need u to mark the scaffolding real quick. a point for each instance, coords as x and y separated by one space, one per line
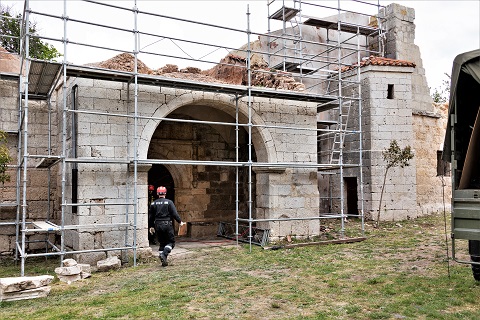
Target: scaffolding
329 70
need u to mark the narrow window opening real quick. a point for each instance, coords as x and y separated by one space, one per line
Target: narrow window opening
390 92
443 167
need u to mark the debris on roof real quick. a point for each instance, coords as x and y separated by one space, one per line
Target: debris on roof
380 61
231 70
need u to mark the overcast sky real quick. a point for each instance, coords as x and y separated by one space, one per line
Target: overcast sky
443 28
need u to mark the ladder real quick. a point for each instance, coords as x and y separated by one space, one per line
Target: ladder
340 128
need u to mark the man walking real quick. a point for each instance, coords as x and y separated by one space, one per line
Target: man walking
160 215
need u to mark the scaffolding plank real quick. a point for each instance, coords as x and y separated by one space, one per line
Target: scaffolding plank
284 14
41 77
345 27
47 162
326 123
327 106
294 67
45 225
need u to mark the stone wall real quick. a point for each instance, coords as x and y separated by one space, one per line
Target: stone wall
400 36
40 182
203 193
384 118
433 190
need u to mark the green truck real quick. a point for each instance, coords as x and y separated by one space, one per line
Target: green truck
462 150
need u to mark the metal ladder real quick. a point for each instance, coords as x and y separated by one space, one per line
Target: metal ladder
340 128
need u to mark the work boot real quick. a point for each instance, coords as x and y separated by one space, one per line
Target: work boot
163 259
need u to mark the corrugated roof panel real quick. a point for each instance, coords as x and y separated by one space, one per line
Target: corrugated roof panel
41 77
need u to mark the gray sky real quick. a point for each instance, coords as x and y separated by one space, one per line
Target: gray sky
443 28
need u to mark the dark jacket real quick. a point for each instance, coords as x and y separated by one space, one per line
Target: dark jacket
164 210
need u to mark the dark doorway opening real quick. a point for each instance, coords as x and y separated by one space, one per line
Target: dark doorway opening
158 175
352 196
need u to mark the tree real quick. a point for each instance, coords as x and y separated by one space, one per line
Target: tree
4 158
394 156
10 25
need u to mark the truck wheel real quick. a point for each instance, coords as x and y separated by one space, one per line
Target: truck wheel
475 268
474 250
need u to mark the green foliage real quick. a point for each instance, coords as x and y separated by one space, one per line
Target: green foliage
442 94
395 157
10 25
4 158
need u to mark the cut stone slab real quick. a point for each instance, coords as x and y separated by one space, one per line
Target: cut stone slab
85 267
16 284
68 271
41 292
69 278
109 264
69 263
85 275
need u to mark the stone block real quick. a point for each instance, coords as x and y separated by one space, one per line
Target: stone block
91 258
68 271
41 292
69 263
109 264
69 278
16 284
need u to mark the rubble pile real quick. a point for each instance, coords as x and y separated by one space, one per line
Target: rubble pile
124 62
279 80
21 288
9 62
72 271
230 70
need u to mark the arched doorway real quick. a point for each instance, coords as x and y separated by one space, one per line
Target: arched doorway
158 176
205 194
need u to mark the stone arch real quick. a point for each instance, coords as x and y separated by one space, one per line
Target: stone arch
261 137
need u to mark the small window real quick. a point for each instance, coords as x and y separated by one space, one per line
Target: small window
443 167
390 91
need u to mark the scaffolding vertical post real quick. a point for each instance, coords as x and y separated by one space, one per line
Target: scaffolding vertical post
135 139
26 26
20 141
237 182
64 132
249 71
360 135
340 119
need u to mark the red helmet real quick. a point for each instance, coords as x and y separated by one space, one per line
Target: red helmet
161 190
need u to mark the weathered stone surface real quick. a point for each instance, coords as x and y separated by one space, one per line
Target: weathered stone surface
41 292
85 267
68 271
15 284
69 263
69 278
109 264
85 275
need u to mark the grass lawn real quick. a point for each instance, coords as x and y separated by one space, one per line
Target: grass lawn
399 272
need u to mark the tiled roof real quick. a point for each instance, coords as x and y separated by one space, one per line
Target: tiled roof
380 61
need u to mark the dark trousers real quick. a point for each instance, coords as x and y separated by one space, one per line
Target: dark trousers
165 235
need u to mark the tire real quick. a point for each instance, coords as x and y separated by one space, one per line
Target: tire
474 250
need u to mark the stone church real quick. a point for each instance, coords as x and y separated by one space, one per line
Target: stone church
90 140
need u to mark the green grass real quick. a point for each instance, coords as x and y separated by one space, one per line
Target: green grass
399 272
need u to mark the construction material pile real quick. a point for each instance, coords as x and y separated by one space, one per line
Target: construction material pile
21 288
72 271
